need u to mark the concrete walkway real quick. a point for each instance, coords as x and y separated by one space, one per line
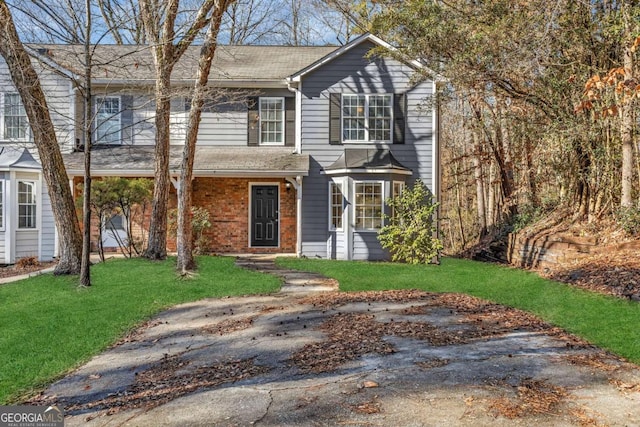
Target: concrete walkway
294 282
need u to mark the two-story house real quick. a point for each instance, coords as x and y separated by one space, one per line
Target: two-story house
297 151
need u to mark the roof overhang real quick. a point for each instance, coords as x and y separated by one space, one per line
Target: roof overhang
18 158
209 161
367 161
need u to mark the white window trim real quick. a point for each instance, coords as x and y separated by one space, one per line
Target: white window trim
355 205
402 184
340 184
37 205
366 120
3 137
271 98
98 101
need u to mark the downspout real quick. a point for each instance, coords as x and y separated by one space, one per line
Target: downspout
297 91
297 183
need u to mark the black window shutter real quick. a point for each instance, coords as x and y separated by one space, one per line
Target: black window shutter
335 118
126 117
253 120
290 122
399 114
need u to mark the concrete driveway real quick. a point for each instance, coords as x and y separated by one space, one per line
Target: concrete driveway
316 358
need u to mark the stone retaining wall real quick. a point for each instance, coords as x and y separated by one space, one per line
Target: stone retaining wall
550 250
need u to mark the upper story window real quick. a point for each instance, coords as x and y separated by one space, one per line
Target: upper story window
367 118
16 125
108 120
26 204
336 205
369 205
271 121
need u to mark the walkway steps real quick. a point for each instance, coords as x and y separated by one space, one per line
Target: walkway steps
293 281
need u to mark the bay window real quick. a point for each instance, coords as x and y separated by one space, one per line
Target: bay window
26 204
336 206
368 205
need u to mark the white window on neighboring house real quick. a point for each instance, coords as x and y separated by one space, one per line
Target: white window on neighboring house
271 121
369 199
108 120
27 204
16 125
367 118
336 206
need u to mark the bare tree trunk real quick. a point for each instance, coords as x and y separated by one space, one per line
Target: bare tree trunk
160 18
479 178
85 264
186 261
157 247
28 85
627 125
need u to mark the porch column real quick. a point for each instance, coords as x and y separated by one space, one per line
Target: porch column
297 184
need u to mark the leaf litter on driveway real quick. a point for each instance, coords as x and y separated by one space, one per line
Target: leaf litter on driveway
423 351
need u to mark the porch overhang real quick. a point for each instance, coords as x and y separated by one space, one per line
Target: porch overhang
138 161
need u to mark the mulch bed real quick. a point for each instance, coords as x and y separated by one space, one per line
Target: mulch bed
615 273
15 270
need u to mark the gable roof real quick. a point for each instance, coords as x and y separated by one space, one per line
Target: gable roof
368 37
134 64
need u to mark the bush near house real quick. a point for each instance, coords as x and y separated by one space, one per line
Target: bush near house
410 234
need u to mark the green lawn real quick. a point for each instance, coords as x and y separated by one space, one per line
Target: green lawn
49 325
607 322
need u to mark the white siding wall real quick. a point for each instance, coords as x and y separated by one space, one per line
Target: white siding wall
59 99
26 243
47 229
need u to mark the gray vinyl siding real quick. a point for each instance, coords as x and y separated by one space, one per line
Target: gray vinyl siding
220 125
352 72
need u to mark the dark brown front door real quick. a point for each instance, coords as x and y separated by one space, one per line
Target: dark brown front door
264 215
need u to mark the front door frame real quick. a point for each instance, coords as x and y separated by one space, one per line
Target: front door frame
250 223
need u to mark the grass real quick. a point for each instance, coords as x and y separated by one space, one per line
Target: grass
605 321
50 326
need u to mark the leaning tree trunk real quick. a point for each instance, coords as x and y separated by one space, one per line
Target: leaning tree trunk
157 248
28 85
186 262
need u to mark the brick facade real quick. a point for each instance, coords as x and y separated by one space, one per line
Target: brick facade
227 200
